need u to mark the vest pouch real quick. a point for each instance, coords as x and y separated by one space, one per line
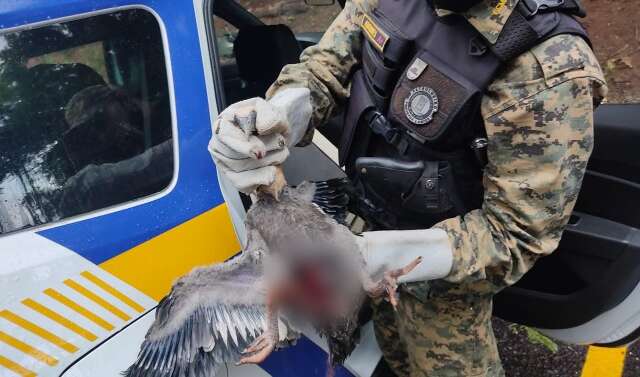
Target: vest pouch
430 97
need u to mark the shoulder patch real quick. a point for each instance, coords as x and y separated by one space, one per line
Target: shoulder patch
374 33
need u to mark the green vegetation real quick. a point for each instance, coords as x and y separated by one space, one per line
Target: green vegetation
535 336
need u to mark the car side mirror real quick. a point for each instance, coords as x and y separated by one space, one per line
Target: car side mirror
319 3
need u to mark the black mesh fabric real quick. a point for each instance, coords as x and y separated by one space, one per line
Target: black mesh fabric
522 31
517 36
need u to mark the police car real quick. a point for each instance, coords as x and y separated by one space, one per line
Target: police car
108 193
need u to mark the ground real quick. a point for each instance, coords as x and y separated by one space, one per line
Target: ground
614 28
632 361
522 358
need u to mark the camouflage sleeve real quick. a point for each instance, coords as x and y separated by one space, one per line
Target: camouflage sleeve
326 68
539 121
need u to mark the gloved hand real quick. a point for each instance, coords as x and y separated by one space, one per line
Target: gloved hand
250 138
394 249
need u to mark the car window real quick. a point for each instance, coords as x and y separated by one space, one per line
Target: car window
615 34
85 119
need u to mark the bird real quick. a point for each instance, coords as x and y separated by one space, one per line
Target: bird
301 265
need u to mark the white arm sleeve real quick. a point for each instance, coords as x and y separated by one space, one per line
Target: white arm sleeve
388 250
295 103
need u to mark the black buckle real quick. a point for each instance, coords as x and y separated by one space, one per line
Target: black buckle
477 47
530 8
380 126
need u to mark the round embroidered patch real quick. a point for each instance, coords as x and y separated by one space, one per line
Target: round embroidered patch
421 104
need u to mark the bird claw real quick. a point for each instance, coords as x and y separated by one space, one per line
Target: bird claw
258 350
388 285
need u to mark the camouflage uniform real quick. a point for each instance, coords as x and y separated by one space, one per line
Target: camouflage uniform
538 115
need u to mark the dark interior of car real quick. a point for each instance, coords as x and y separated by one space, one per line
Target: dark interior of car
597 263
261 52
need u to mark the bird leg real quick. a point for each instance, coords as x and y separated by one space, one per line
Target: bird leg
275 188
263 345
388 285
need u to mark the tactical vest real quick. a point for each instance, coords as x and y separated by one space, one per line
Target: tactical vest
413 141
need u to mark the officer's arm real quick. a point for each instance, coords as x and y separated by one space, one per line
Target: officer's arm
325 68
540 132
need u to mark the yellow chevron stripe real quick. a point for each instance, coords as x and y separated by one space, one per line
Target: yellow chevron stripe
604 362
29 350
64 300
114 292
16 368
153 266
97 299
88 335
39 331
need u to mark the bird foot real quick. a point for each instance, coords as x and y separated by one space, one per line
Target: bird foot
260 349
388 285
266 343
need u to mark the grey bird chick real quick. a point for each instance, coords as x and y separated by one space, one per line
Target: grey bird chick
299 264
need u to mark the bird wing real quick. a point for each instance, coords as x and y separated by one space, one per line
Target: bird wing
209 317
333 198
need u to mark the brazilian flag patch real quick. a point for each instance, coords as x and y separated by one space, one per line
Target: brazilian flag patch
373 33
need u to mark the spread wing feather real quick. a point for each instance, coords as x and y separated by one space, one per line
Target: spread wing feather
209 317
332 197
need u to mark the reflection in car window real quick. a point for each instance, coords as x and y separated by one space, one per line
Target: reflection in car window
85 120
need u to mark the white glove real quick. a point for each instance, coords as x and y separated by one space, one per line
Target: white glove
253 136
393 249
